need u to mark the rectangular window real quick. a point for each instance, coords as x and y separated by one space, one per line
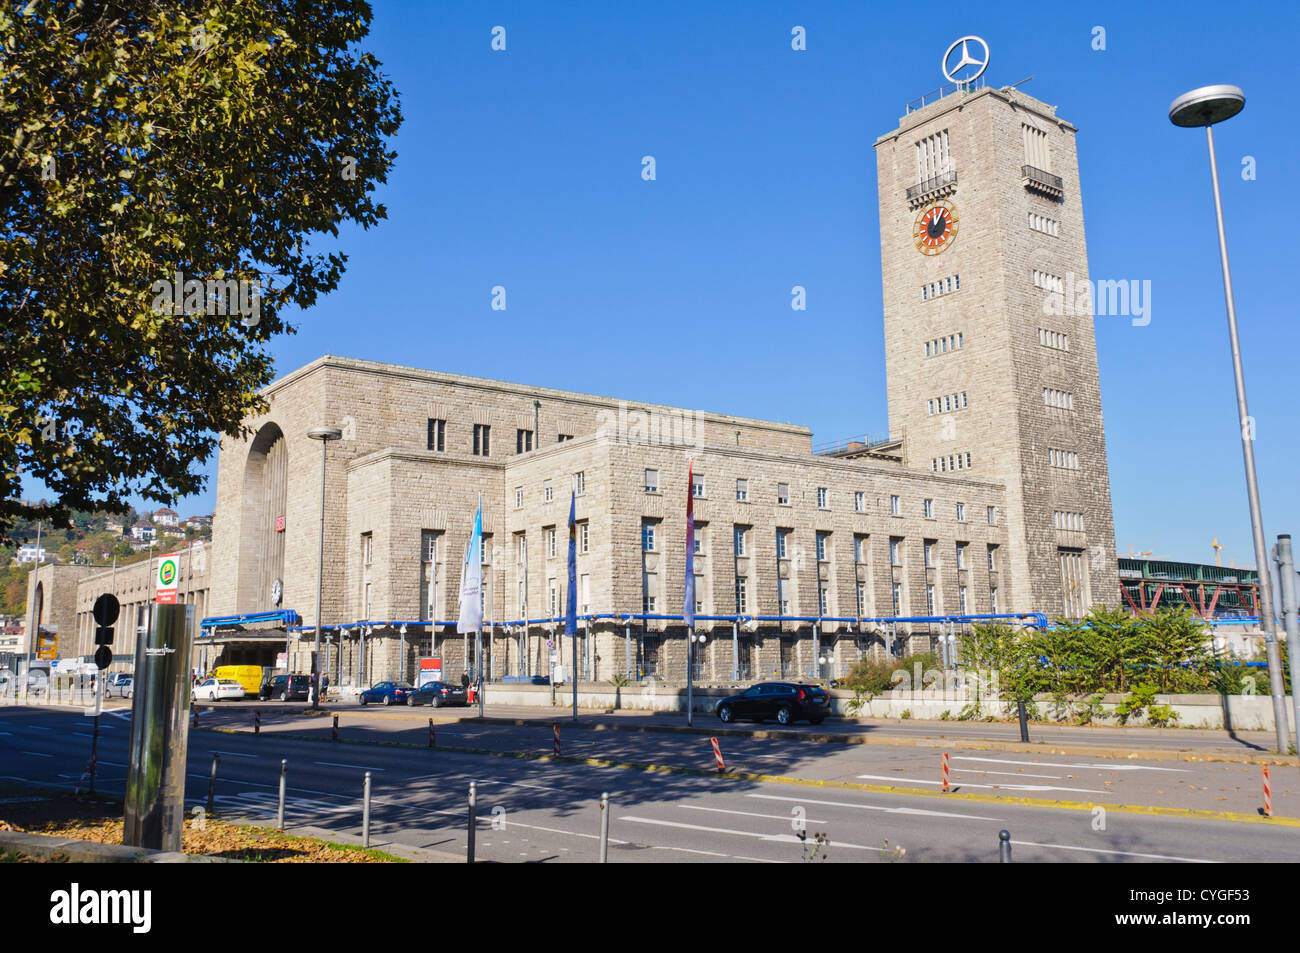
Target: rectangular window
697 486
547 493
428 573
993 599
859 502
482 440
738 538
553 597
648 537
821 546
652 481
894 506
782 596
932 157
823 498
519 497
992 515
781 536
650 591
742 491
437 433
580 482
367 549
742 597
993 558
895 551
823 598
862 599
961 512
961 555
929 553
700 529
584 537
929 600
961 599
549 533
897 592
523 441
560 438
928 507
783 494
860 549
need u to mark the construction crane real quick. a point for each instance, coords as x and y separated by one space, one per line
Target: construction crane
1217 547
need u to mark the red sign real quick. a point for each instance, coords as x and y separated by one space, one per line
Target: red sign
430 670
279 524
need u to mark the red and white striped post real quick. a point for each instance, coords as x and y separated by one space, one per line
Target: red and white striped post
431 744
717 755
555 730
1268 799
334 732
257 722
945 771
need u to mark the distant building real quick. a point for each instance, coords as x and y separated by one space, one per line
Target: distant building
143 532
198 522
114 526
31 553
166 518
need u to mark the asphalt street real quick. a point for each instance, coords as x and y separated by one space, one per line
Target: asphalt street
534 810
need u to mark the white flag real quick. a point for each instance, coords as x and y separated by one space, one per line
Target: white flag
471 579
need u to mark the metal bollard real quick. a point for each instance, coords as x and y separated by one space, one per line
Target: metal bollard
1268 794
212 786
365 812
1004 847
194 715
604 827
257 722
944 771
334 736
555 748
1024 721
431 738
469 844
279 814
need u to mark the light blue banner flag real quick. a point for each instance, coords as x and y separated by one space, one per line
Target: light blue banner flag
471 579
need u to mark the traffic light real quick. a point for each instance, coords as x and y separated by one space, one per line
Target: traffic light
105 612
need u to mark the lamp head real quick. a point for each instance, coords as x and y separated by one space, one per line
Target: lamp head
1207 106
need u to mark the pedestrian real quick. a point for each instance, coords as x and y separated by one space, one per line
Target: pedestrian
464 679
324 687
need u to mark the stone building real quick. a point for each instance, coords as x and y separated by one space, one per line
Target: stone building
990 496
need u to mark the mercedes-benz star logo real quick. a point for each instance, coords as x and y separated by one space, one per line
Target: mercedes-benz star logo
980 63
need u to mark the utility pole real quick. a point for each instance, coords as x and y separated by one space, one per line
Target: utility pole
1290 619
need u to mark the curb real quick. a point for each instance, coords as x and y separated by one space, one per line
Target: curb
93 852
1148 809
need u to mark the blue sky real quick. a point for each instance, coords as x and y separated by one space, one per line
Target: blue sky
522 169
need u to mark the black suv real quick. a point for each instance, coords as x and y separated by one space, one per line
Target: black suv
286 688
784 701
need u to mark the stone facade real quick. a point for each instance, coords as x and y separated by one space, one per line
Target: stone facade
1017 233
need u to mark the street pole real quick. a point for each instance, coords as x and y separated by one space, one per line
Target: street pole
1290 619
690 665
478 646
1205 107
573 639
36 611
324 434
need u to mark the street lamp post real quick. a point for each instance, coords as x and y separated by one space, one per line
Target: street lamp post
324 435
1205 107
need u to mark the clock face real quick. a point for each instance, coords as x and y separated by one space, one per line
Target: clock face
935 228
277 591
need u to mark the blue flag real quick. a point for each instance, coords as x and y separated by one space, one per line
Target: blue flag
688 607
571 609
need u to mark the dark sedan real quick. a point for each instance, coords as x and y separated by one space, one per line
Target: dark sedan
784 701
286 688
438 694
388 693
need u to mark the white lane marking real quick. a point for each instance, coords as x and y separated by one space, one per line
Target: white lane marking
37 754
771 817
873 807
5 733
35 727
1122 853
521 784
233 754
533 827
1061 764
759 860
780 838
335 764
690 850
1012 774
966 784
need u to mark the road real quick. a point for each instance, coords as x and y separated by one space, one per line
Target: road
532 810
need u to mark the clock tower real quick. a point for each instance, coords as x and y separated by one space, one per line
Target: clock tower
991 367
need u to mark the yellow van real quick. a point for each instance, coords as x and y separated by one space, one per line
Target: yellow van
249 676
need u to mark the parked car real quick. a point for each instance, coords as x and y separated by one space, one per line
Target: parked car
123 686
215 689
286 688
388 693
250 676
784 701
438 694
